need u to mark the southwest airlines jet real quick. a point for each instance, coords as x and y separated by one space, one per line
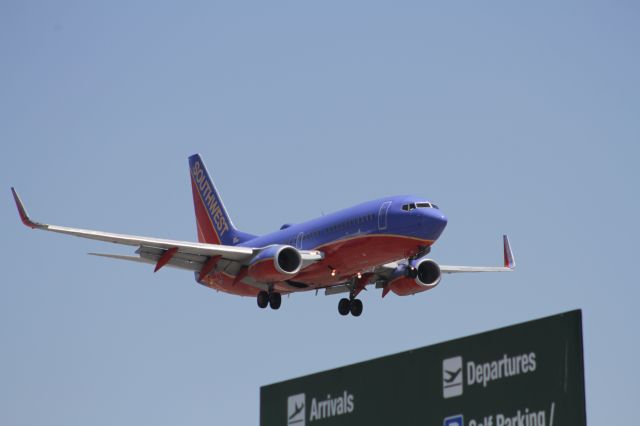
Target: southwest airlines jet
383 243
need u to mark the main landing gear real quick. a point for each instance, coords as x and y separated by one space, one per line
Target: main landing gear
270 298
352 305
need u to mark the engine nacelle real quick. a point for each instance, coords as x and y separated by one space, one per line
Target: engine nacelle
275 263
420 275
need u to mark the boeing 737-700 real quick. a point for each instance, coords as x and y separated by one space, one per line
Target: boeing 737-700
383 243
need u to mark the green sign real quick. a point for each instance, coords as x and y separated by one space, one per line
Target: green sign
530 374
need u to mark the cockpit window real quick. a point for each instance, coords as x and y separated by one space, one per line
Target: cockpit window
408 207
420 205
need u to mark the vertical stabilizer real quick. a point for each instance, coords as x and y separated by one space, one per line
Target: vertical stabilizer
214 223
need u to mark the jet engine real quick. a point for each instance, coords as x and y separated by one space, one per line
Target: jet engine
419 275
275 263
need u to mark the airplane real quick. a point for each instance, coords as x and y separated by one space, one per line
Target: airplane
297 410
452 375
382 243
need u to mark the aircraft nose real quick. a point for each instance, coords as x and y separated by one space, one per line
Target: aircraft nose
436 221
440 219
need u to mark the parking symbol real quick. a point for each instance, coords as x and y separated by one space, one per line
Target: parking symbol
457 420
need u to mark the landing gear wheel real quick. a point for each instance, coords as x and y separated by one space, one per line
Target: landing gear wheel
263 299
356 307
275 300
344 305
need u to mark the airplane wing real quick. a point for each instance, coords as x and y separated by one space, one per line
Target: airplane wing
180 254
508 266
380 275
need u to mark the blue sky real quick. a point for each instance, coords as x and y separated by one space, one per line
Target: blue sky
517 118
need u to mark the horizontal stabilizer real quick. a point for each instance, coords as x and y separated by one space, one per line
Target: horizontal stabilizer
175 262
122 257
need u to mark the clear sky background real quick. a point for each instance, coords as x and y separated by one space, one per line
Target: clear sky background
514 117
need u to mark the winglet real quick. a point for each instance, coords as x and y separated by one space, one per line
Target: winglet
509 261
23 212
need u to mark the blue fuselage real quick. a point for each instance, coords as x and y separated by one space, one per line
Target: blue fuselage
384 216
